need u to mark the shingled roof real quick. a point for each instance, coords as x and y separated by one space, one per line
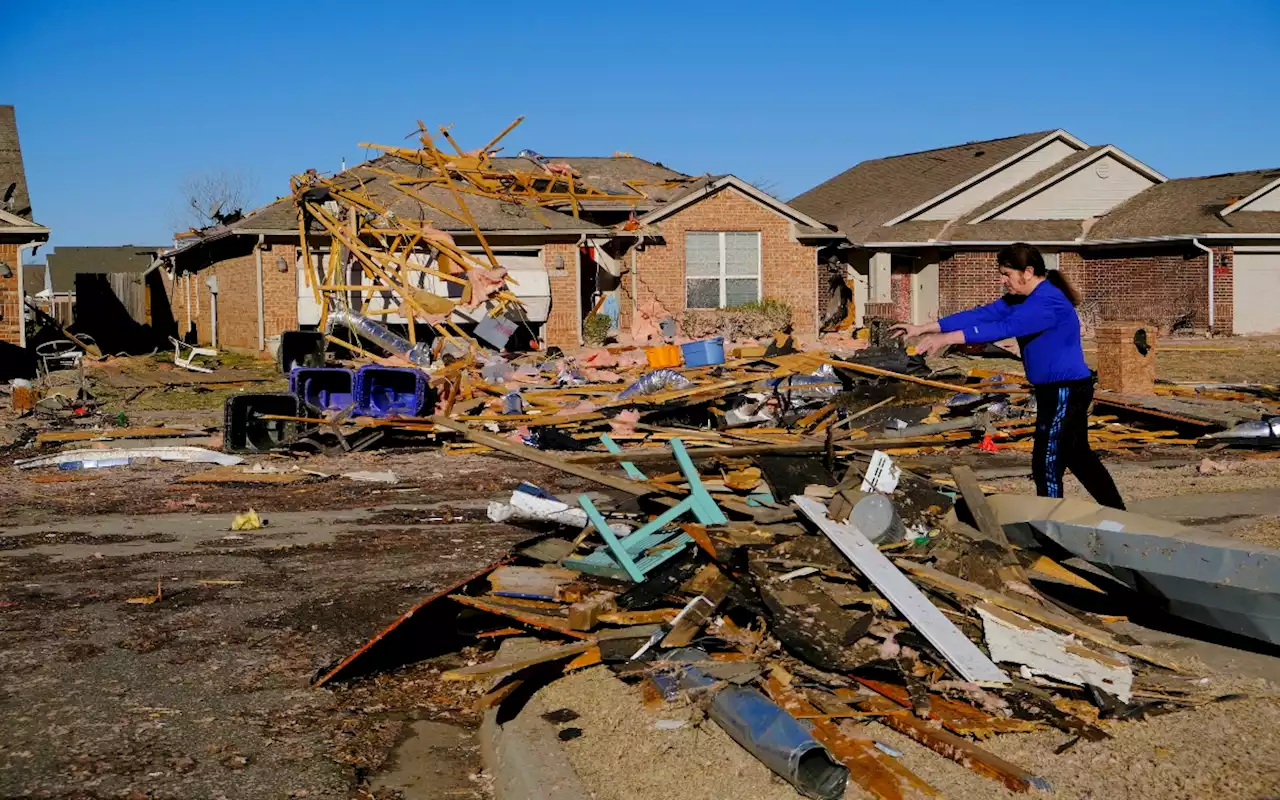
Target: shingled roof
871 193
13 178
1191 206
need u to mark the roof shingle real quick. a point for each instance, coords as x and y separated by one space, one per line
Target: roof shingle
1189 206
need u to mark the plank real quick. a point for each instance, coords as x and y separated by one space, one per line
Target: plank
1040 614
956 748
239 475
530 618
877 773
982 512
961 653
57 437
956 716
696 614
951 387
496 667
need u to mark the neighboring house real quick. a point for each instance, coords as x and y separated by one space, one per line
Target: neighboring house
702 242
110 290
922 230
19 233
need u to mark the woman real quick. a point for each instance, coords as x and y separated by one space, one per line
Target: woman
1038 310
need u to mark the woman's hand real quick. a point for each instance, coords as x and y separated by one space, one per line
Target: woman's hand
908 331
937 342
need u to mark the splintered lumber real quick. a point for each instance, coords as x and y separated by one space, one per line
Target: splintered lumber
981 510
958 749
585 614
881 775
539 457
696 614
956 716
58 437
1040 614
951 387
545 622
964 655
497 667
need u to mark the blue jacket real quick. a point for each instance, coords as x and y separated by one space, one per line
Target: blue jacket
1045 325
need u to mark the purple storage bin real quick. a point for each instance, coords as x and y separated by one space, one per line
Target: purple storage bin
325 388
390 391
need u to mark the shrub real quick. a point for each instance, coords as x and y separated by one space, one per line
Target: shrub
596 327
753 320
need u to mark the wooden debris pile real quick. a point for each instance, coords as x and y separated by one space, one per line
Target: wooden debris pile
815 607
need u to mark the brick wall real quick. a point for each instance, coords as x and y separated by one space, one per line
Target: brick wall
10 302
238 299
789 269
1153 285
563 322
900 293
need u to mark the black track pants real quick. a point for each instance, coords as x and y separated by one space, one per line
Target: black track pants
1062 443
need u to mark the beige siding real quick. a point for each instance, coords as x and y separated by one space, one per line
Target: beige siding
1268 202
999 182
1090 191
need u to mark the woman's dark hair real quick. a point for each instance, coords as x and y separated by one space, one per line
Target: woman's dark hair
1021 256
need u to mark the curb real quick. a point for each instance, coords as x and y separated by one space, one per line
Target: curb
526 760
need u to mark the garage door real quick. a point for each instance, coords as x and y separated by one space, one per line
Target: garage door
1257 282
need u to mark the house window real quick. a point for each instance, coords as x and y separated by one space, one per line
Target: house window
722 270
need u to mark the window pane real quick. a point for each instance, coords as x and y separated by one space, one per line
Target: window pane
703 293
739 290
741 254
702 254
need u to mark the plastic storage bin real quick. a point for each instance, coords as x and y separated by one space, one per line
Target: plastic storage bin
324 388
703 353
667 355
390 391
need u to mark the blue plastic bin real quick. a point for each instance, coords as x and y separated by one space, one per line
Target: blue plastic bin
390 391
703 353
324 388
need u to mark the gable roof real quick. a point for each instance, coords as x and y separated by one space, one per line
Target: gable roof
1191 206
13 177
1244 202
877 192
1061 171
710 184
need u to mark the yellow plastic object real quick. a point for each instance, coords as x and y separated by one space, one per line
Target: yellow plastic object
668 355
248 521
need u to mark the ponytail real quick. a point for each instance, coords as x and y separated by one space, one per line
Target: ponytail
1022 256
1056 277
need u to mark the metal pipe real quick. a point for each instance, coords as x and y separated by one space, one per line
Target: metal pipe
22 312
1208 250
419 354
262 322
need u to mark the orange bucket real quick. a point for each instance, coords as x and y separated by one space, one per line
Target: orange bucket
668 355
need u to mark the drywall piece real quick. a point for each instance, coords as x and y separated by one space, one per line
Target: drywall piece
961 653
1015 639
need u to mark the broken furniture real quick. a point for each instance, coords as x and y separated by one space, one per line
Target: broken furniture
61 354
653 544
184 355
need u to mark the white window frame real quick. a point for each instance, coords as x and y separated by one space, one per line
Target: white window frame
758 277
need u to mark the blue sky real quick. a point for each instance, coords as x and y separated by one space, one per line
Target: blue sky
118 103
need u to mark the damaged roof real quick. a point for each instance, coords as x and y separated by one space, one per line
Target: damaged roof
1190 206
871 193
14 196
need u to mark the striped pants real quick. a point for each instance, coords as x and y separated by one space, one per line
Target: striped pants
1062 443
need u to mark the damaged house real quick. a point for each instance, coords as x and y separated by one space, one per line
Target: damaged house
19 232
922 231
646 233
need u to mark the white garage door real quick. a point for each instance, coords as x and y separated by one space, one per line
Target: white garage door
1257 282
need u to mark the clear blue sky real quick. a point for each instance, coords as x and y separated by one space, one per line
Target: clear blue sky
118 102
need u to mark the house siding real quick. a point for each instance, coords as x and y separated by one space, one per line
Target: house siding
994 185
789 270
1084 193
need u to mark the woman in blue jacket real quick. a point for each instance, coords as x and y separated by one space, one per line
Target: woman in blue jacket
1038 310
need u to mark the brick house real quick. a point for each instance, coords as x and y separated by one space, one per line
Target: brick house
705 242
19 233
922 231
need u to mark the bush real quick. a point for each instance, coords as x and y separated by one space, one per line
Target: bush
595 328
754 320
